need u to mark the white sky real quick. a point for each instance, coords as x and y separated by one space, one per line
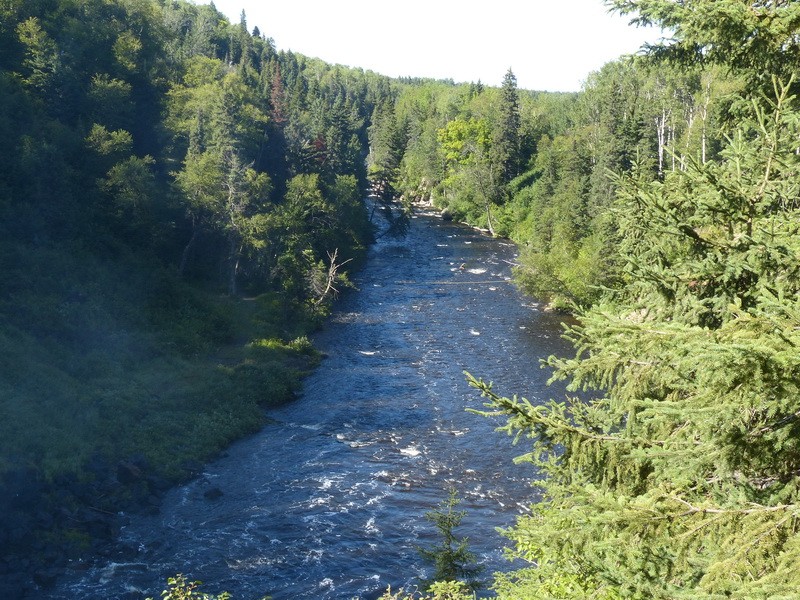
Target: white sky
549 44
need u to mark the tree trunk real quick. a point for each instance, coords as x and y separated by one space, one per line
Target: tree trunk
704 116
235 256
330 280
661 136
671 142
188 249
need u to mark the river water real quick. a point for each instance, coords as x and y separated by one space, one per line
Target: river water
328 500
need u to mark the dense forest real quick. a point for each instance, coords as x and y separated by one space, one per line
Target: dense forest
674 474
181 201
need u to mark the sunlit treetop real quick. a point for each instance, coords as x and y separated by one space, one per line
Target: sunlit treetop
759 37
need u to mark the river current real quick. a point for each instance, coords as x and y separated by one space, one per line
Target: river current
328 500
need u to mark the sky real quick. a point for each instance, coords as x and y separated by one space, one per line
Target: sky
550 45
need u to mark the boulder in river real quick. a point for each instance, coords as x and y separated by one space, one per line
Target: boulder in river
213 494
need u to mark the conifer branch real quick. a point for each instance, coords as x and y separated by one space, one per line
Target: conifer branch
755 508
778 424
534 417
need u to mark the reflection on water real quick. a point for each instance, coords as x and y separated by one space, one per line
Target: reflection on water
327 501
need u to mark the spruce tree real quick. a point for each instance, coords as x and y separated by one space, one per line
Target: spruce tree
506 135
673 471
675 475
451 557
387 141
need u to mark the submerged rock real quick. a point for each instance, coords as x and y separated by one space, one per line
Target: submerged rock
213 494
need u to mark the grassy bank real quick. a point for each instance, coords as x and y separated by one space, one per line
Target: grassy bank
115 383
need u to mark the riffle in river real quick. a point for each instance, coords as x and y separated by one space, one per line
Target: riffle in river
328 500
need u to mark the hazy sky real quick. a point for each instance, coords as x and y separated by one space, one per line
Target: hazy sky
549 44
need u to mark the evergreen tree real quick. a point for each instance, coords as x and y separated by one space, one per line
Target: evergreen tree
452 560
755 37
387 144
506 135
674 474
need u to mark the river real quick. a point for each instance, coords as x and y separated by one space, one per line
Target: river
328 500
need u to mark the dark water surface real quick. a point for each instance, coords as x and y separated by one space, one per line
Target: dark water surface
328 501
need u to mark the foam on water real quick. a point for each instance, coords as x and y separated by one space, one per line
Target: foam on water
410 451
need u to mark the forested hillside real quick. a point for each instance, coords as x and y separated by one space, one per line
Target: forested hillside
179 203
534 166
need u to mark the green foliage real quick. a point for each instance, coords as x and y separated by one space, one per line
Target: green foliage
41 59
559 578
387 141
673 476
182 589
473 184
441 590
506 136
147 147
451 558
122 363
756 37
109 143
562 212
